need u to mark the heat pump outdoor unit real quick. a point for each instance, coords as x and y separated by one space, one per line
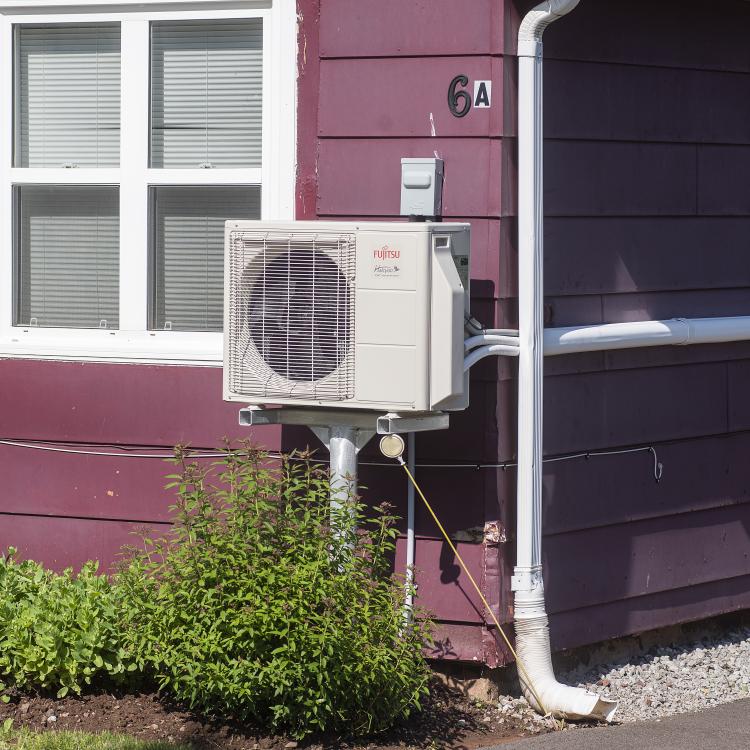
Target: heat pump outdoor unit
357 315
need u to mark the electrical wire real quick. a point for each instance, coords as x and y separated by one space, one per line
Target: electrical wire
62 448
658 466
128 452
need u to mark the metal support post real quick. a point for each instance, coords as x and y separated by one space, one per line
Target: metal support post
344 443
342 448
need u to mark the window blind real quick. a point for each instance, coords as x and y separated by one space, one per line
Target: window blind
188 252
67 256
68 95
206 93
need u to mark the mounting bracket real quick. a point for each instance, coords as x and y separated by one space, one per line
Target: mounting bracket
344 432
375 422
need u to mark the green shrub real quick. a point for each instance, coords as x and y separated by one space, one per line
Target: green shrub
253 608
57 631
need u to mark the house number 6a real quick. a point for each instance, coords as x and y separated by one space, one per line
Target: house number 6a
460 101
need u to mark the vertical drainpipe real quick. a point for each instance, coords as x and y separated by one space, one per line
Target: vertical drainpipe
411 462
532 628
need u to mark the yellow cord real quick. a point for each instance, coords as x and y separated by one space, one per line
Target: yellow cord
464 567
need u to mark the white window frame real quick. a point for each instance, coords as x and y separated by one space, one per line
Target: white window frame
132 342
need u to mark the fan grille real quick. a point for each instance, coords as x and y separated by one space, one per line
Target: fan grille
291 315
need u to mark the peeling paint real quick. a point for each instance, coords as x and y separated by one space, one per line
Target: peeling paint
494 533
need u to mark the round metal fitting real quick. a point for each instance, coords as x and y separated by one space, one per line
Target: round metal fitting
392 446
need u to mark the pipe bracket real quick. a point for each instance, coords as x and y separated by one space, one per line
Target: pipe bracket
526 580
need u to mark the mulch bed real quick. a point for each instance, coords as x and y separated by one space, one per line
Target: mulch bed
449 720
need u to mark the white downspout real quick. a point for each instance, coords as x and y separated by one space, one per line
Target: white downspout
532 628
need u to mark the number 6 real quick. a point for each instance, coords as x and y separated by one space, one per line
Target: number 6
455 96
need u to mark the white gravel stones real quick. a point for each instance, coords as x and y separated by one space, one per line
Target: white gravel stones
665 680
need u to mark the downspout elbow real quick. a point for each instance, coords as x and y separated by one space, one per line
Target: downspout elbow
538 680
537 20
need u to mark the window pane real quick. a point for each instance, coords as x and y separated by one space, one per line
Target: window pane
206 89
67 256
188 252
68 97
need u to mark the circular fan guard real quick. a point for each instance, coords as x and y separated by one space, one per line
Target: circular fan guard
298 315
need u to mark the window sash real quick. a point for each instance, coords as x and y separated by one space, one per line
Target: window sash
187 252
66 256
206 93
67 95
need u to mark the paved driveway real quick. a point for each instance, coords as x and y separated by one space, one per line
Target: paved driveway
724 728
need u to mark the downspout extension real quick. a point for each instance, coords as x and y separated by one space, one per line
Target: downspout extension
532 628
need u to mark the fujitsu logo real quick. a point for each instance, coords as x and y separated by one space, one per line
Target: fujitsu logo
385 253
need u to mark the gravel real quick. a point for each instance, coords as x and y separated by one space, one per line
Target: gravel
664 680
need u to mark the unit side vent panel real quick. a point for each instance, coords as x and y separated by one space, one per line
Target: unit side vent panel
291 315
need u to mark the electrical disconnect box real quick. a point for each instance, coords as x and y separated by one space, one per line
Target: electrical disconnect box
422 187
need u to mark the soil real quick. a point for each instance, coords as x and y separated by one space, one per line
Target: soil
449 720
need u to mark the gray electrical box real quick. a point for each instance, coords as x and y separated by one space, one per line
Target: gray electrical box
422 187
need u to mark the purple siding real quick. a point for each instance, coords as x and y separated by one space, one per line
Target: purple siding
699 475
739 396
597 178
343 192
642 135
577 627
68 541
122 404
718 195
643 557
42 483
624 255
674 99
647 147
67 508
674 37
392 28
371 86
605 409
647 130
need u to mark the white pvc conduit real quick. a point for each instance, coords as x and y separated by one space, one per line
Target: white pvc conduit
532 629
677 331
494 350
490 338
610 336
411 462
